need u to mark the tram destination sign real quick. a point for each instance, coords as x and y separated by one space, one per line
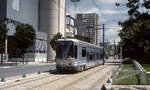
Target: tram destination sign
75 0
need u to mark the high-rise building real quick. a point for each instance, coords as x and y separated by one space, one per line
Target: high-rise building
71 30
46 16
88 26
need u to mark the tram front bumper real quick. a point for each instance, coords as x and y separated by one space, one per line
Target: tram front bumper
64 67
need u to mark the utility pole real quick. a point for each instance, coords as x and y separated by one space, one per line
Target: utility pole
65 19
121 53
6 41
114 49
103 43
6 44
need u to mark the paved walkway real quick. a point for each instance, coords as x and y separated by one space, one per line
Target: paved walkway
13 65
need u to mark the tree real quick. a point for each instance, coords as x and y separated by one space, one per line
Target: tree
12 47
136 31
25 37
54 41
3 32
135 7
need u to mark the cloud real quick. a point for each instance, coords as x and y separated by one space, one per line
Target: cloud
109 11
106 1
114 40
103 20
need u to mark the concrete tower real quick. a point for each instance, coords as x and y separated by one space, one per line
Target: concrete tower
62 16
51 21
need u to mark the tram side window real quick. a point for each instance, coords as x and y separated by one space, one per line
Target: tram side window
97 56
88 56
75 51
91 57
83 52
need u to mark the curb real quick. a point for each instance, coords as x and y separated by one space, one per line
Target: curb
21 77
18 65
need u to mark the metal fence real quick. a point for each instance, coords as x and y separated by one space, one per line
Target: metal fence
139 71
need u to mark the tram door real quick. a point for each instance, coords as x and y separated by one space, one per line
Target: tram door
83 51
88 56
79 52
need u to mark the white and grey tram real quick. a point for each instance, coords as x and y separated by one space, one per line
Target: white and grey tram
72 54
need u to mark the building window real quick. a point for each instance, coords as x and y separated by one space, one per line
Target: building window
15 5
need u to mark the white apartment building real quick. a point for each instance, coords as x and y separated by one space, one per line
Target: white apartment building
88 25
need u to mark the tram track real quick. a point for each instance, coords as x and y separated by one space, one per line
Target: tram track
95 86
80 79
24 82
67 85
51 81
45 83
103 79
63 88
50 78
36 80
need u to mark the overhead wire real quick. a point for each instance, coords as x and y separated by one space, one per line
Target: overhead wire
100 11
104 16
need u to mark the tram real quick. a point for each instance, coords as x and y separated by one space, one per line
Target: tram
72 54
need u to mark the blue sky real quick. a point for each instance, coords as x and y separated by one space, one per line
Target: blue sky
108 12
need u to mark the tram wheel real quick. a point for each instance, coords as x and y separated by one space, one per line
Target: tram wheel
59 68
82 68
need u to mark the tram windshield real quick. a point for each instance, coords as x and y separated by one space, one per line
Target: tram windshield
64 50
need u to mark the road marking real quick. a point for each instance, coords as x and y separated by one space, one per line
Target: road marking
6 67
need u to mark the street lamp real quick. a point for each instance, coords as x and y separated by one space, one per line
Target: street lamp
6 22
6 40
75 4
114 49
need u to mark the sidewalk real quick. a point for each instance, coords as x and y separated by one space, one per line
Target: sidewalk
14 64
13 72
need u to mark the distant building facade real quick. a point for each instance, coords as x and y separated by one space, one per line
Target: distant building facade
87 25
46 16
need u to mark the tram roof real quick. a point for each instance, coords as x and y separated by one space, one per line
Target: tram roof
79 41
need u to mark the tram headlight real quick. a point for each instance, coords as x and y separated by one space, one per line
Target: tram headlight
75 63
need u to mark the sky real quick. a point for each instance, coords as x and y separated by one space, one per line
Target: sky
109 14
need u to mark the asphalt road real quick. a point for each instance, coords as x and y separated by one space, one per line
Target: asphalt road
10 71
